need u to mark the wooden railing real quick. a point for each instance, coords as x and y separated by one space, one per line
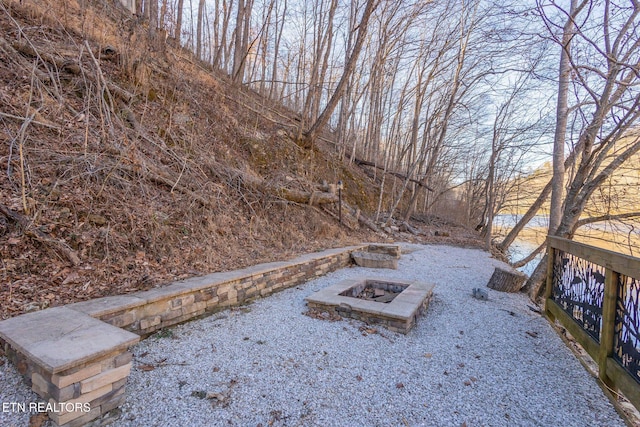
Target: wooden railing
595 294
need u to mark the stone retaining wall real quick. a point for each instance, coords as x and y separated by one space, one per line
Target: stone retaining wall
146 312
77 356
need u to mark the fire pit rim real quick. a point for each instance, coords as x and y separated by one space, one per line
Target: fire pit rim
403 306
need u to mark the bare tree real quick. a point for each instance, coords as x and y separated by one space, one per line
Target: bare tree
152 7
322 46
562 116
178 30
199 30
468 21
511 137
281 16
606 76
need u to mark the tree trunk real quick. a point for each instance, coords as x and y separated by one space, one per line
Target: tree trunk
531 212
178 33
237 50
562 115
248 6
534 285
199 29
322 70
163 13
325 116
276 51
320 44
490 197
153 18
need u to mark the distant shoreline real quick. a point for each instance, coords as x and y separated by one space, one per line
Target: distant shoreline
625 243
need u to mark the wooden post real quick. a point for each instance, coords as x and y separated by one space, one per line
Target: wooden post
551 254
340 186
607 331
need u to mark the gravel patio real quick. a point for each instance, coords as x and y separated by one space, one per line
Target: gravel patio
466 362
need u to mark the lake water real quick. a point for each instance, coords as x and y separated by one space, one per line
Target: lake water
615 236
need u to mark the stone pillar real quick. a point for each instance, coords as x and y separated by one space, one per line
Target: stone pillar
77 364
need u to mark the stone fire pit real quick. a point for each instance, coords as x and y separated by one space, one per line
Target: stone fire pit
391 303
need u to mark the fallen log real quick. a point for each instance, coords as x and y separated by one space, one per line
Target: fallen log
360 162
8 49
70 65
405 226
313 198
361 218
347 220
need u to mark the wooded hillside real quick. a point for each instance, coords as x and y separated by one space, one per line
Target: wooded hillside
128 163
170 138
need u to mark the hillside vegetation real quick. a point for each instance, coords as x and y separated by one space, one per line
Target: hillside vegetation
128 164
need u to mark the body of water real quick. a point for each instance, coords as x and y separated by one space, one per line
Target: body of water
615 236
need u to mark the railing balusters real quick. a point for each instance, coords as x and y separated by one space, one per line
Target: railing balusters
578 281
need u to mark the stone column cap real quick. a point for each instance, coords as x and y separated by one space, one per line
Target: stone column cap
59 338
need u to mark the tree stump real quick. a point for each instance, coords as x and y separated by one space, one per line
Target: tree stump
507 280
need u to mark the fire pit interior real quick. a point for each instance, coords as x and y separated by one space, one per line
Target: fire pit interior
375 290
392 303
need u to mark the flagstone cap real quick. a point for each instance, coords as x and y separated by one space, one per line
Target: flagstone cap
59 338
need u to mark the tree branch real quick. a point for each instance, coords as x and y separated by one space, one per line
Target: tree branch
529 257
608 217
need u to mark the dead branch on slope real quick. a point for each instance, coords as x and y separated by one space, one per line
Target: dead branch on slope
30 230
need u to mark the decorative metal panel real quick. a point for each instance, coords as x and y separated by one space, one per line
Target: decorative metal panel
627 333
578 287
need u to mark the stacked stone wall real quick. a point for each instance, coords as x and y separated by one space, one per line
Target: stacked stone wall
92 383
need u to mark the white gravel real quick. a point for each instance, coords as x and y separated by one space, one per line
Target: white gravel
466 361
